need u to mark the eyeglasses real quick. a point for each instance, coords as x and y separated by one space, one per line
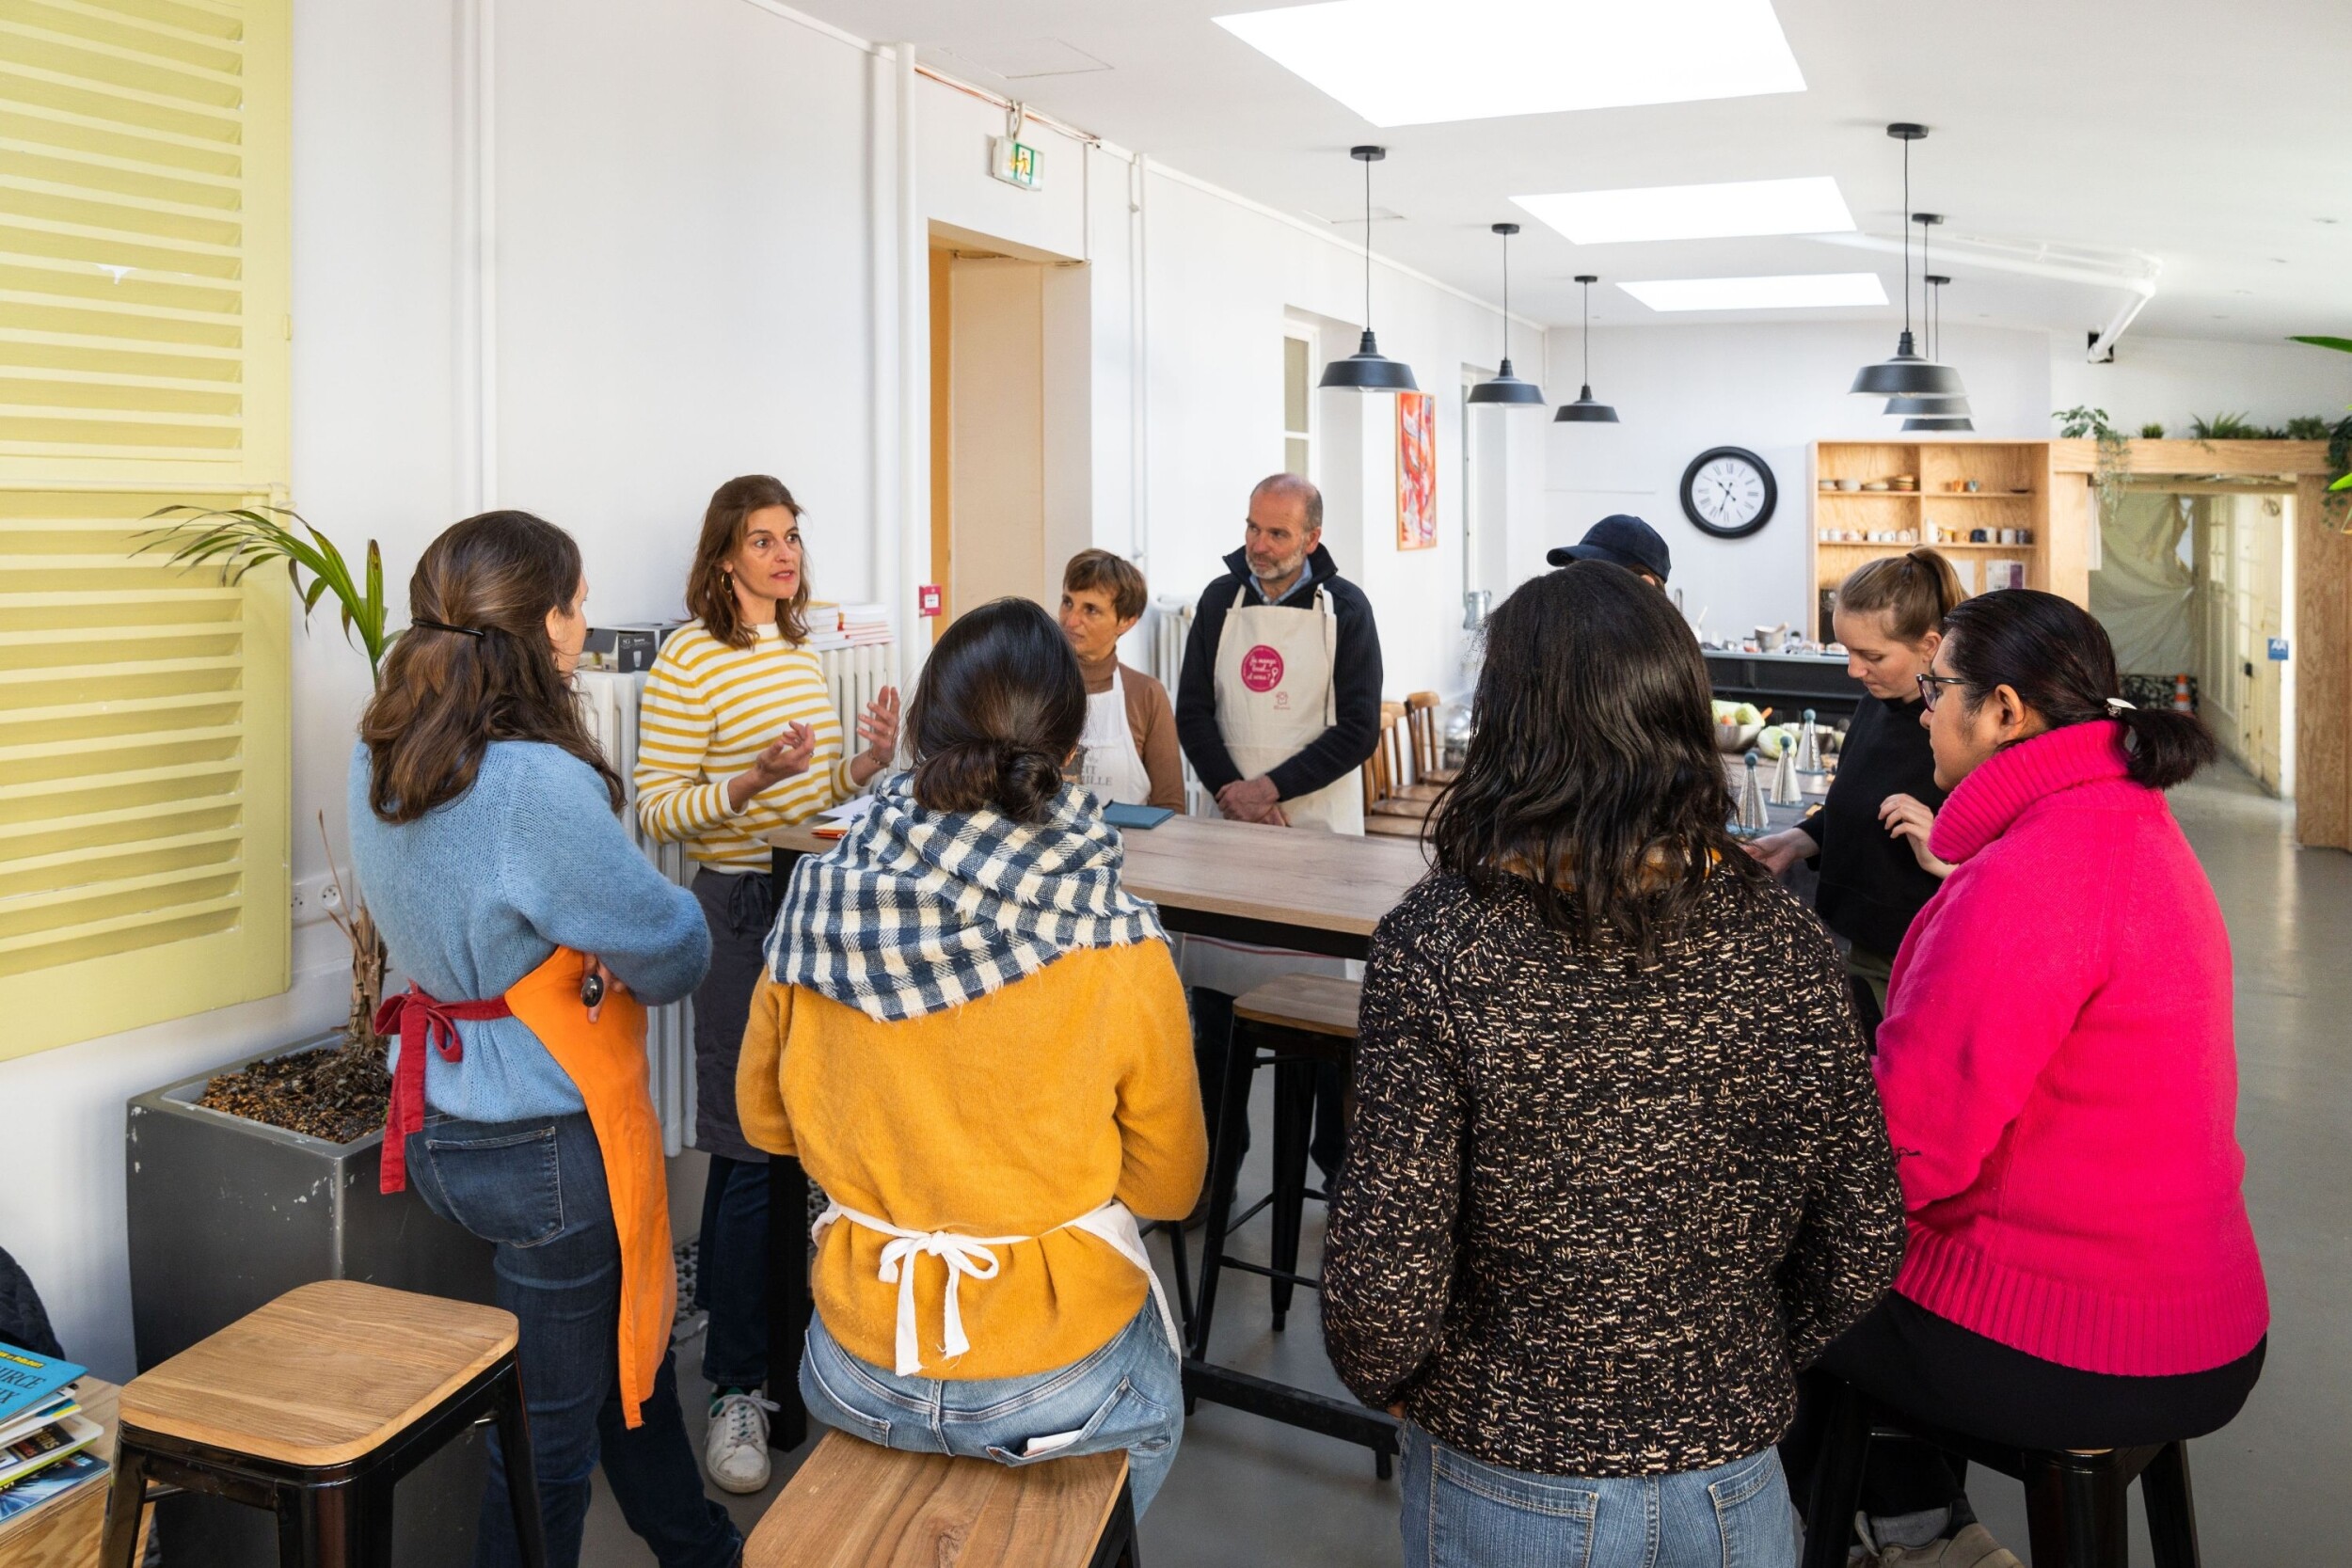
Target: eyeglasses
1928 685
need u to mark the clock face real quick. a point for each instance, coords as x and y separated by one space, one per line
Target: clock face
1728 492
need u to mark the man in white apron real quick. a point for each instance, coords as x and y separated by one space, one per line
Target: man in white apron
1277 707
1128 754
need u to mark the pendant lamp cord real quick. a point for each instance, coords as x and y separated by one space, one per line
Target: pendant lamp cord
1368 240
1586 337
1906 236
1506 298
1926 237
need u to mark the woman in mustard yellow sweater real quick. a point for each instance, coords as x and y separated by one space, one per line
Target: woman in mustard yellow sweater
989 1071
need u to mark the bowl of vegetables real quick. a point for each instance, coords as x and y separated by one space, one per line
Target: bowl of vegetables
1737 726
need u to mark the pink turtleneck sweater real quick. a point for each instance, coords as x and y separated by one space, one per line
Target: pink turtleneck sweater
2061 1079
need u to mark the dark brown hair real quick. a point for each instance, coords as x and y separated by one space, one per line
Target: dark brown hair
1593 770
1914 590
2056 658
1100 572
447 693
999 708
710 592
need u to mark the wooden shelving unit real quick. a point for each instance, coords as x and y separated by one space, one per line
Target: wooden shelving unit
2018 488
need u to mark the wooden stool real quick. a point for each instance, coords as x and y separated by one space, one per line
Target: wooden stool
855 1505
314 1407
1300 1022
2075 1503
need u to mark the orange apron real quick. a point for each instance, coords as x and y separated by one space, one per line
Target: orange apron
606 1062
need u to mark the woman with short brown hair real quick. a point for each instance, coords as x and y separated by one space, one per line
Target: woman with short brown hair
739 736
1129 751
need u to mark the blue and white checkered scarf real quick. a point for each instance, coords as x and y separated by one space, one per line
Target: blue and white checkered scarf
916 910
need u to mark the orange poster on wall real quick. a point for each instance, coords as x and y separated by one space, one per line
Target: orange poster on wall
1416 471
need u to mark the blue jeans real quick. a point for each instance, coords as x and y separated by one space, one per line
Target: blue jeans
535 1188
1130 1394
1463 1512
731 1274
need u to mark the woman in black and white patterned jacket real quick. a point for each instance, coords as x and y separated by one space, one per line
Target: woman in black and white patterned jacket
1618 1167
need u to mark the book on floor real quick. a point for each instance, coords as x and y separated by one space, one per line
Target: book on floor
69 1473
58 1440
28 1382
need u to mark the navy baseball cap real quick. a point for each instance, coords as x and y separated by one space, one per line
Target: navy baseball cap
1621 541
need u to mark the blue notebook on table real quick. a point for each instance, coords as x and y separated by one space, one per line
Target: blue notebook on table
1120 815
28 1382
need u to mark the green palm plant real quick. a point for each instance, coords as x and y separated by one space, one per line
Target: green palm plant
238 539
235 541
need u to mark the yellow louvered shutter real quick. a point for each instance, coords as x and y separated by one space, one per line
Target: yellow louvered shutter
143 361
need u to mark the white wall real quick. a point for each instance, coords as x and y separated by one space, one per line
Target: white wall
2173 380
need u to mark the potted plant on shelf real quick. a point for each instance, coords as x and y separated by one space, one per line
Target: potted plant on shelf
247 1180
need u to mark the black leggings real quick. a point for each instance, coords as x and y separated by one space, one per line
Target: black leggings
1909 1359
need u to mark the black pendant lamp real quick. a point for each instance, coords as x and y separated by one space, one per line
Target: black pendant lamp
1584 410
1368 369
1906 374
1506 388
1933 413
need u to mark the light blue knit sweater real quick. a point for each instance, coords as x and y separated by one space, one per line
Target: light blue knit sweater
476 893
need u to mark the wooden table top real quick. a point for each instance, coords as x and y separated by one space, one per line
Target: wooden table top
1287 875
854 1505
321 1375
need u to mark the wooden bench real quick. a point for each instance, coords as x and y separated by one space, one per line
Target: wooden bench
854 1505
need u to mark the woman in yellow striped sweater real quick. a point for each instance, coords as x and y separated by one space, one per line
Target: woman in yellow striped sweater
737 736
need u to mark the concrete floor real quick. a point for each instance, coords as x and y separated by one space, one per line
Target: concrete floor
1247 1491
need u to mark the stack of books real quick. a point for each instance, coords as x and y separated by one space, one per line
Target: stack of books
824 627
42 1431
866 623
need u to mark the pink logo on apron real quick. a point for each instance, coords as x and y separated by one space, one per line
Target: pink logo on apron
1261 669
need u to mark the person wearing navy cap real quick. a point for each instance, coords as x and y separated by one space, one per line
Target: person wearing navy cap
1621 541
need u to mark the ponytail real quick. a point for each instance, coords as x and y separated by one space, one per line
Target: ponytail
1914 592
2058 660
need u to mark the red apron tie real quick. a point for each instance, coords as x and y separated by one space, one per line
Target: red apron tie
421 1024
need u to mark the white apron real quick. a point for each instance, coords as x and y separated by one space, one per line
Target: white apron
1109 764
1114 1224
1276 692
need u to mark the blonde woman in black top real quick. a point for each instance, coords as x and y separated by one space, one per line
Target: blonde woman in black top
1619 1168
1869 839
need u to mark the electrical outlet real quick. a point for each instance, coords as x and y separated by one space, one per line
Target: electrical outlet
315 900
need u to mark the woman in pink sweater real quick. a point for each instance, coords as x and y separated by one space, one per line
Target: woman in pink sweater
2060 1087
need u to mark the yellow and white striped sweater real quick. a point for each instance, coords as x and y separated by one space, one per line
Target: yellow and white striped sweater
709 710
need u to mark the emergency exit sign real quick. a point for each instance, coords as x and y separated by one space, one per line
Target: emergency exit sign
1015 163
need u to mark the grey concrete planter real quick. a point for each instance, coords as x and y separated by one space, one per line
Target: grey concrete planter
227 1214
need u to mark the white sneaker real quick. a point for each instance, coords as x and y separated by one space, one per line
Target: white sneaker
735 1451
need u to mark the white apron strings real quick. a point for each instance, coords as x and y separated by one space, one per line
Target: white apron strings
1114 1224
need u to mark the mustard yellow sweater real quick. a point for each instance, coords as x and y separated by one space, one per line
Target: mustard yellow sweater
1009 1116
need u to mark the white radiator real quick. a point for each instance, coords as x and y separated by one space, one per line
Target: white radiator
609 699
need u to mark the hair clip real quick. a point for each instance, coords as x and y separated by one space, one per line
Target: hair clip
444 625
2117 705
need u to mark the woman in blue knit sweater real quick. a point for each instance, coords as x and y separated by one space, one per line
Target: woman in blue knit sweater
484 822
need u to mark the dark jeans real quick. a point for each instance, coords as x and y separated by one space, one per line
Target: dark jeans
536 1189
731 1262
1211 1032
1909 1359
731 1274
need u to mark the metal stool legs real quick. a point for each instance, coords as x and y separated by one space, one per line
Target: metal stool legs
1294 1121
2076 1504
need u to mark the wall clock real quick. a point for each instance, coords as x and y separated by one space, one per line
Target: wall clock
1730 492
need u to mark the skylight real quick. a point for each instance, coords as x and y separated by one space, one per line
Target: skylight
1806 206
1791 293
1406 62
